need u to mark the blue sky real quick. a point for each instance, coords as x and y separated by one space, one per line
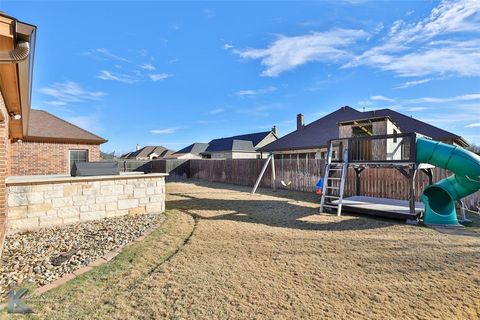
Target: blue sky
173 73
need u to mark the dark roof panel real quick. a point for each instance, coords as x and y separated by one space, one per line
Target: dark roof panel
228 144
256 138
45 126
195 148
222 144
146 151
243 145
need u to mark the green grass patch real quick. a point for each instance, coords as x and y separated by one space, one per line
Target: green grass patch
105 289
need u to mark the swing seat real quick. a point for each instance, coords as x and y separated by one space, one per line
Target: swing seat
319 187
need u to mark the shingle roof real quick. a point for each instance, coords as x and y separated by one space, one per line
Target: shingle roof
146 151
318 133
45 126
256 138
195 148
244 142
229 144
242 145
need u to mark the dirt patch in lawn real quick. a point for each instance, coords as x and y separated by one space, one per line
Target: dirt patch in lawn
271 256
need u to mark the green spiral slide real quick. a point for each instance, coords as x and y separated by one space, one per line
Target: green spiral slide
439 198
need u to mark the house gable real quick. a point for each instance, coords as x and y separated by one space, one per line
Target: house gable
45 127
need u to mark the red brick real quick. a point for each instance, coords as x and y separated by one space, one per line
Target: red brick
37 158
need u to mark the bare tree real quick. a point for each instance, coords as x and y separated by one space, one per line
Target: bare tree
474 148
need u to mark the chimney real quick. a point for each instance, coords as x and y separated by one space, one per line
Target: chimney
300 121
275 131
137 147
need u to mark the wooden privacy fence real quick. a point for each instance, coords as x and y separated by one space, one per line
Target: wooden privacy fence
303 174
135 165
176 168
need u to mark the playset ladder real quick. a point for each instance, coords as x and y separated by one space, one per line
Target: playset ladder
334 182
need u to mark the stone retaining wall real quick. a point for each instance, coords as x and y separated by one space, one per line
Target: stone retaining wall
45 204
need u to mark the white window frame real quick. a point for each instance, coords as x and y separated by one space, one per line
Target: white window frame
69 166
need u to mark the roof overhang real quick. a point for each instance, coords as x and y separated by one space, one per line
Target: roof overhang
16 72
62 140
364 121
458 140
293 149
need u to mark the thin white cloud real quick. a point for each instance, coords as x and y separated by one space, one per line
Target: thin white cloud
227 46
252 92
158 76
260 111
409 84
417 109
418 49
287 53
69 92
114 76
378 27
105 54
174 60
459 59
365 103
460 98
55 103
461 108
310 23
148 66
165 131
409 49
381 98
216 111
90 122
473 125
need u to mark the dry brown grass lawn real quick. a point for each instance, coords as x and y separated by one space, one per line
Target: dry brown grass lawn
271 256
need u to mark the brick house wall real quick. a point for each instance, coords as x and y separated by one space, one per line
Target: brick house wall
4 167
40 158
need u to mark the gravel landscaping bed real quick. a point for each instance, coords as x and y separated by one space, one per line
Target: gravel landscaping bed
42 256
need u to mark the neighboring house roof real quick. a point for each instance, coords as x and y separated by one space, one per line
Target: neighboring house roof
195 148
242 145
126 155
44 126
107 156
146 151
318 133
244 142
256 138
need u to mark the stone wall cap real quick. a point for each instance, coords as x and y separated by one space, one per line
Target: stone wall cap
44 179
